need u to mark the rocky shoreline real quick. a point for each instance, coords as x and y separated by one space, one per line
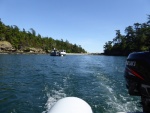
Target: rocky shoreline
21 52
7 48
6 52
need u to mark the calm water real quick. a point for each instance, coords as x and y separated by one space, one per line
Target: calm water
33 83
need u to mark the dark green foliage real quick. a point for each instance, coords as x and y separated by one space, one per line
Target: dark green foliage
136 38
21 40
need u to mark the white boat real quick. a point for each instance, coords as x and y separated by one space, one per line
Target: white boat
62 53
55 52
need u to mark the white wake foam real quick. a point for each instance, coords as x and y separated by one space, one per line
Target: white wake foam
53 97
119 102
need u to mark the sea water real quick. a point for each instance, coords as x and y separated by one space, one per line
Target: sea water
33 83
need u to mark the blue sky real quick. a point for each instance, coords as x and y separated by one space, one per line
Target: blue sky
89 23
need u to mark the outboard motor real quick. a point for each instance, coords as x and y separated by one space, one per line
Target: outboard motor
137 76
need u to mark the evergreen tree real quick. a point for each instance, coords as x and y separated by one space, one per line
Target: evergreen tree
23 40
137 38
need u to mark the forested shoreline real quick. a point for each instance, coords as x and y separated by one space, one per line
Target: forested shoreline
136 38
22 40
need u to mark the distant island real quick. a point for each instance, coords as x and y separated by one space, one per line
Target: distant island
137 38
14 40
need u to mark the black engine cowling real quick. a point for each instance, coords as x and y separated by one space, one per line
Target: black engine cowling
137 76
137 73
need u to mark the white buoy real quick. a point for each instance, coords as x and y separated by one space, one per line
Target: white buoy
71 105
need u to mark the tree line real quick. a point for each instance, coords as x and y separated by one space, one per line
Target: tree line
22 39
136 38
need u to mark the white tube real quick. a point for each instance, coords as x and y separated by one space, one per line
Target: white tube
71 105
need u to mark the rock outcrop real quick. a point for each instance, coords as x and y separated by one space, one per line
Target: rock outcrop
5 46
34 50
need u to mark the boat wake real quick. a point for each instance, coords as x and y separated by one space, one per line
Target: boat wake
53 96
117 100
